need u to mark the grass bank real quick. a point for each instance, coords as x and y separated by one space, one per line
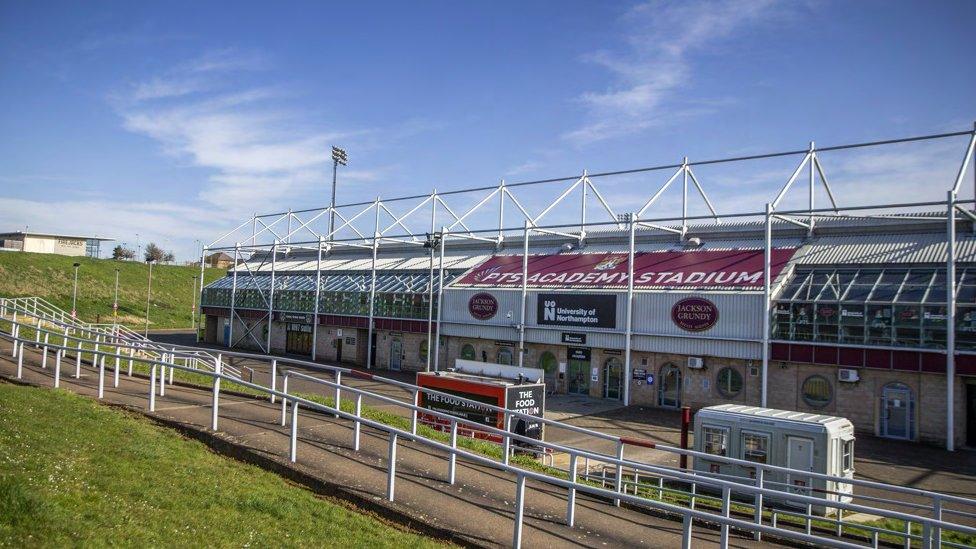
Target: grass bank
76 473
52 277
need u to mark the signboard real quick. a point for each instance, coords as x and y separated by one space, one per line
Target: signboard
482 306
301 318
639 374
527 399
577 339
588 310
741 269
582 355
694 314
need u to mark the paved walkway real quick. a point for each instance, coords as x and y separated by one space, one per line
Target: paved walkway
477 510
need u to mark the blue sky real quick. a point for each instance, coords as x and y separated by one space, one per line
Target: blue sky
177 120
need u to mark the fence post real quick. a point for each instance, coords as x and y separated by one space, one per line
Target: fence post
686 524
357 426
162 378
338 394
118 360
908 534
44 359
78 361
758 502
101 377
274 378
391 480
172 360
507 444
726 509
571 498
152 388
20 361
57 369
130 353
519 511
413 413
452 461
937 515
293 446
284 401
620 471
216 392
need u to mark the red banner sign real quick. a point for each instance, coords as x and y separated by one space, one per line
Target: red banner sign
741 269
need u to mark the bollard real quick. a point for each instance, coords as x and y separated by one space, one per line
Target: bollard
391 480
357 426
571 499
274 378
519 511
293 446
152 388
452 461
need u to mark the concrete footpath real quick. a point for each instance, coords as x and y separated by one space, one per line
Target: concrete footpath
478 510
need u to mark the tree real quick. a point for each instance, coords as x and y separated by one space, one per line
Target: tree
169 257
121 252
154 253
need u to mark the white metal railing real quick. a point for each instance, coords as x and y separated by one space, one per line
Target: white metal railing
932 527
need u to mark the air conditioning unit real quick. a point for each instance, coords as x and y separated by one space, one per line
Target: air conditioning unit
696 362
847 375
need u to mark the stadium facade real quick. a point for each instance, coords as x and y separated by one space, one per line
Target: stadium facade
868 313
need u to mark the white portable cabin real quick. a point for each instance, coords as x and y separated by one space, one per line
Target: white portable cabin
796 440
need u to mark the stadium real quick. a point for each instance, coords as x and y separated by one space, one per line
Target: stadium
865 312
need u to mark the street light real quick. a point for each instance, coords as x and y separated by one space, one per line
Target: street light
74 294
193 309
115 304
149 295
338 157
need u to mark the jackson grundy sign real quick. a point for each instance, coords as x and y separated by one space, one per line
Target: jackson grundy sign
742 269
588 310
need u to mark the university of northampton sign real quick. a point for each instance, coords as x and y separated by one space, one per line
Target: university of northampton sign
482 306
694 314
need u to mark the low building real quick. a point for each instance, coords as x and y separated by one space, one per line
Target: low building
219 260
47 243
857 325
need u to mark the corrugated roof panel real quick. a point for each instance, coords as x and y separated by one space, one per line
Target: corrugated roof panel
883 248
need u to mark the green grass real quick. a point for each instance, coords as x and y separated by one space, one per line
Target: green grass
52 277
76 473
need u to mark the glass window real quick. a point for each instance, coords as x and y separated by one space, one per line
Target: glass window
755 447
547 362
505 356
848 455
716 441
728 382
816 391
467 351
423 349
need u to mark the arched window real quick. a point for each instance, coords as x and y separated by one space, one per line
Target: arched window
423 350
816 391
548 363
728 382
467 351
505 356
669 387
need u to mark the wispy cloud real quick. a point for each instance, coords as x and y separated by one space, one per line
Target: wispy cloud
661 40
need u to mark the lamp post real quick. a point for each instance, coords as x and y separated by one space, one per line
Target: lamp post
193 308
149 296
115 304
338 157
74 294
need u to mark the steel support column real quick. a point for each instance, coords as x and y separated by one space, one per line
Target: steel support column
318 285
430 281
199 314
767 286
630 307
525 287
440 303
274 258
950 318
233 296
372 288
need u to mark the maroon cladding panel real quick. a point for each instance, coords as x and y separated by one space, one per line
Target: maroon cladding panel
849 356
801 353
779 351
877 358
905 360
825 355
216 311
965 365
699 268
398 325
933 362
342 321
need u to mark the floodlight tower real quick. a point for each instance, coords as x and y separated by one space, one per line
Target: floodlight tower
338 157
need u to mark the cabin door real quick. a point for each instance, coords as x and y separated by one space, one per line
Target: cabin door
799 456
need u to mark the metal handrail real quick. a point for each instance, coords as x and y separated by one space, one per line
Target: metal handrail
688 514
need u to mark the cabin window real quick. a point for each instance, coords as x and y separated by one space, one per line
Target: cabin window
816 391
716 441
848 455
729 382
755 447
